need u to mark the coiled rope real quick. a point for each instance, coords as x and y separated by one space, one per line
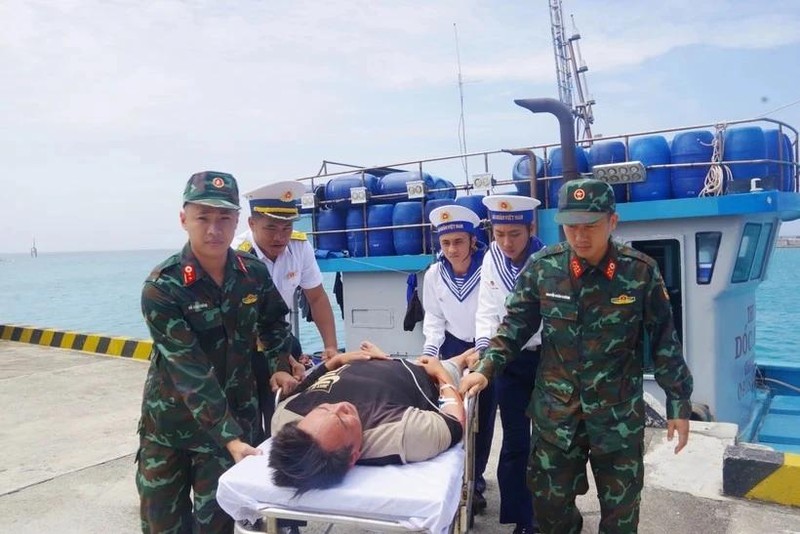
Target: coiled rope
717 174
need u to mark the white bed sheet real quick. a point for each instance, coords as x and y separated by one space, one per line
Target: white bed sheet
416 495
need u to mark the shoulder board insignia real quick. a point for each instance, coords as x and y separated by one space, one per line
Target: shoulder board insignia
623 299
298 236
155 274
633 253
246 246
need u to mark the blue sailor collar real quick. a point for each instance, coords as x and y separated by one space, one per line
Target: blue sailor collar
462 286
506 269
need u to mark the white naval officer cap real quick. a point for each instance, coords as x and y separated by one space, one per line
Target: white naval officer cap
277 200
510 209
454 218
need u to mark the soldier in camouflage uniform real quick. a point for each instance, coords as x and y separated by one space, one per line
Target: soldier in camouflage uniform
206 307
596 299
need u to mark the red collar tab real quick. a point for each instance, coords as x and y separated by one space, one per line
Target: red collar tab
189 275
242 266
575 267
611 268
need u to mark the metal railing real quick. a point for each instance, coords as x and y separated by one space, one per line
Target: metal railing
490 162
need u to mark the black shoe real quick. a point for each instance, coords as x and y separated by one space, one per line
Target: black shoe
519 529
478 503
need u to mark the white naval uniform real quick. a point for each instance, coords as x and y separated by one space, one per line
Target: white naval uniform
450 305
295 266
497 281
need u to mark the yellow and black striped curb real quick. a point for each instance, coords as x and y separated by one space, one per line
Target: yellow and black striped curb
137 349
761 474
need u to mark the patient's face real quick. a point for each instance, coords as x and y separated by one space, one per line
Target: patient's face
334 426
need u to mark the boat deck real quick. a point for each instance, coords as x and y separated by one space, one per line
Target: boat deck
69 438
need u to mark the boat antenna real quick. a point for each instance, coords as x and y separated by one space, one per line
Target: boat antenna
573 90
790 104
462 128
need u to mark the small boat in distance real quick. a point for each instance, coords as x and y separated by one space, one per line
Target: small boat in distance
34 252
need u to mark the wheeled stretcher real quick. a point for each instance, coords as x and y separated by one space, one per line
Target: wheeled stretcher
434 496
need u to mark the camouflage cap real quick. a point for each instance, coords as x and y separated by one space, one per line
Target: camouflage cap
215 189
584 201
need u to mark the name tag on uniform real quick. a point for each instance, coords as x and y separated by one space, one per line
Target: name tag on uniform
558 296
198 306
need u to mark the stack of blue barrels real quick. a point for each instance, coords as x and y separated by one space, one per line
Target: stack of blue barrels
754 143
606 152
387 207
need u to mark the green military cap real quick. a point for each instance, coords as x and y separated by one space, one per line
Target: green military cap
584 201
210 188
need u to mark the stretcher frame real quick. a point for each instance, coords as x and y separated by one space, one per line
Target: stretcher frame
462 518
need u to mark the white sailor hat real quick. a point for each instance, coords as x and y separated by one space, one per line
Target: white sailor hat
277 200
454 218
510 209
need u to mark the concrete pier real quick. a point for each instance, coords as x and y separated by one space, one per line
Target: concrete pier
68 440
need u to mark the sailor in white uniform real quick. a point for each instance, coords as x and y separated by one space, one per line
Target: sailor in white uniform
450 290
450 300
287 254
512 219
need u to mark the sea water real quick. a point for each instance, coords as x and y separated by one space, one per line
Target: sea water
99 293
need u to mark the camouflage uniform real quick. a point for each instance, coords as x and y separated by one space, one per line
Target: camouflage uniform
200 391
587 399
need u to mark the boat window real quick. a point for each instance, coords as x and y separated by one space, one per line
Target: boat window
667 253
707 246
747 251
761 252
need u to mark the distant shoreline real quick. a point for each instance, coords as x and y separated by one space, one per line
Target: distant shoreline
788 242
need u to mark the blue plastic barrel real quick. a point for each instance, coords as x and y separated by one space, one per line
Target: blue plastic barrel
690 147
780 152
381 242
407 240
607 152
474 202
521 174
745 143
446 190
556 168
394 184
330 220
431 240
319 197
338 189
356 241
392 187
651 150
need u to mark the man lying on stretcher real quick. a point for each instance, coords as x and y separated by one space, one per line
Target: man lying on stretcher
366 408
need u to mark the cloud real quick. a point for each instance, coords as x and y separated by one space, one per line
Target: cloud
111 104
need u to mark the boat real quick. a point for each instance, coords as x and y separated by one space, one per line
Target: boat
710 216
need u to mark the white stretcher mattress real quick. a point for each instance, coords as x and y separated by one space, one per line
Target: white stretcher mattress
416 495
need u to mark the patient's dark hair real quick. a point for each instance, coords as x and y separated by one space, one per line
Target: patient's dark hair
299 462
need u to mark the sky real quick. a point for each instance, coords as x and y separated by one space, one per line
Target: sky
107 107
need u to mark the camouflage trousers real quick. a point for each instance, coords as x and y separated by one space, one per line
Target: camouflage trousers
555 477
164 479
